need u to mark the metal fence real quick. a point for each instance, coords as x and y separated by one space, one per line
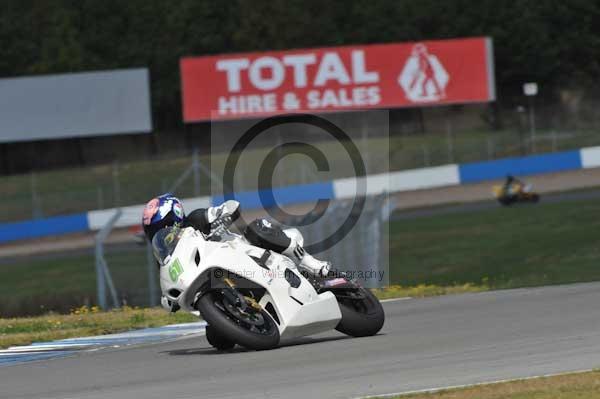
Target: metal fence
51 193
363 252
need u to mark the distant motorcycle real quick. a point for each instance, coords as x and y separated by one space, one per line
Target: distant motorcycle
515 193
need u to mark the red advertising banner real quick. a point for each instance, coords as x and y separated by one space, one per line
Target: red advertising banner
337 79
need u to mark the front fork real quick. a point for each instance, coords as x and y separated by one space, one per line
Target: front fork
236 298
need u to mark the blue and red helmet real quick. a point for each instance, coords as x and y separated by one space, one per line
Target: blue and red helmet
160 212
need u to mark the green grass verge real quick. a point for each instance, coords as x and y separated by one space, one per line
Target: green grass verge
425 290
499 248
60 282
567 386
84 322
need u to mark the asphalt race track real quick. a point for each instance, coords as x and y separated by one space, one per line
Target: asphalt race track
425 343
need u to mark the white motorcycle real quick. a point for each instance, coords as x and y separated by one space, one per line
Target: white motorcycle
253 297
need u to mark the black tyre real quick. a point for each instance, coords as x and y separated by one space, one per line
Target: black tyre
361 317
217 340
505 201
259 334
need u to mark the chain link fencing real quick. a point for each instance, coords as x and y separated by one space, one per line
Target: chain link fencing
362 252
50 193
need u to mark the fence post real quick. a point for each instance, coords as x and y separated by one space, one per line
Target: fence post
103 277
152 298
116 184
196 171
426 155
281 178
365 139
100 197
532 123
36 209
449 140
100 283
490 148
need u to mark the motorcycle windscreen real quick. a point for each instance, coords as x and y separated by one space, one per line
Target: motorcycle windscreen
165 241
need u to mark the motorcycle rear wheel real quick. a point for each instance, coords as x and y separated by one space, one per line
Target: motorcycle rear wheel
535 198
234 328
361 317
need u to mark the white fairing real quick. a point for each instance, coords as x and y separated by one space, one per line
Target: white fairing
301 311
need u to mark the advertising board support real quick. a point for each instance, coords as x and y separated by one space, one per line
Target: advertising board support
364 127
116 185
196 172
530 90
426 161
449 139
532 122
36 205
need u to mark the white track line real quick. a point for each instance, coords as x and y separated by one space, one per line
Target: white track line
451 387
404 298
142 336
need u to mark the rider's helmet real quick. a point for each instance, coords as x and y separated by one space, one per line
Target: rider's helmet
160 212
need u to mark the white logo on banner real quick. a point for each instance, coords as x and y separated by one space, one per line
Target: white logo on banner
423 78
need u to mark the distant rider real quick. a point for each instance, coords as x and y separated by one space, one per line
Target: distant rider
512 186
166 210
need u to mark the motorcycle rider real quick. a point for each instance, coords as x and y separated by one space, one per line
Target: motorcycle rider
512 186
166 210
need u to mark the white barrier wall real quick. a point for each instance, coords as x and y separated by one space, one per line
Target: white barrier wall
439 176
590 157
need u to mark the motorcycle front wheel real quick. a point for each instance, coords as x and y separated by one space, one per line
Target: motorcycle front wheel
217 340
362 313
250 328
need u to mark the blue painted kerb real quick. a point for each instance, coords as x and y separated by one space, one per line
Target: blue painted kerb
43 227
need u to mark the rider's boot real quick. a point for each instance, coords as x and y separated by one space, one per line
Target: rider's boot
228 209
168 305
303 259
